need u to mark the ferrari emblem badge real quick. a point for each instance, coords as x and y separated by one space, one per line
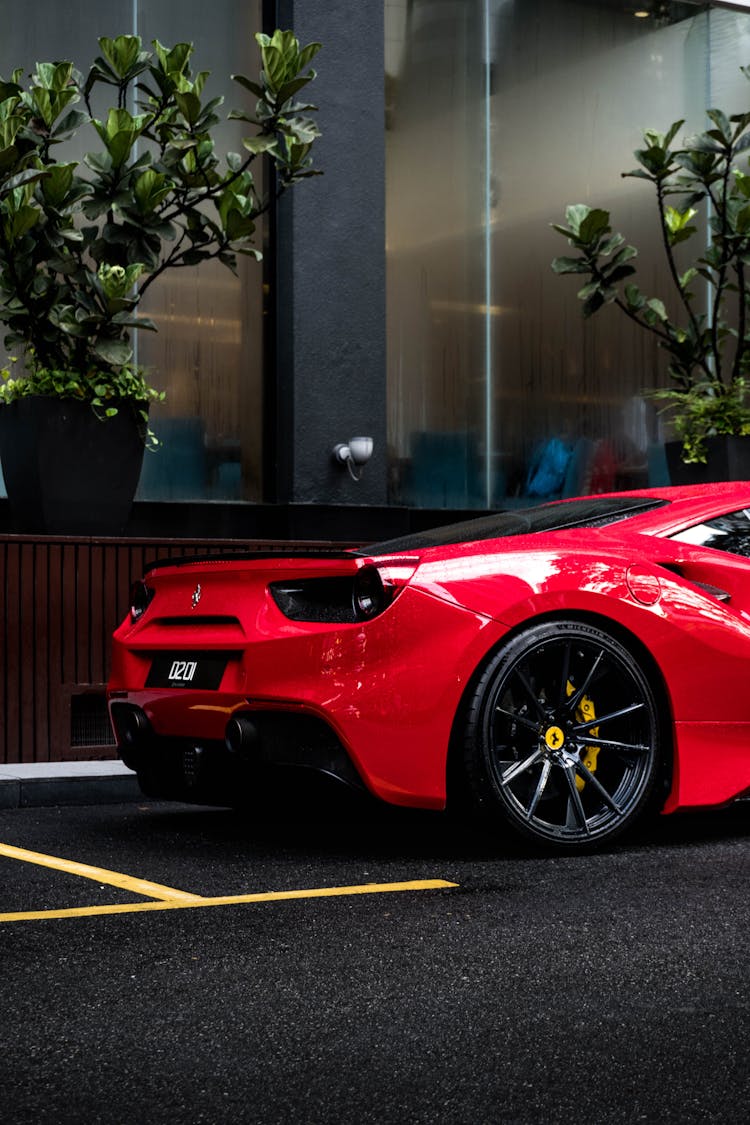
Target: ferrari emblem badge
196 595
554 738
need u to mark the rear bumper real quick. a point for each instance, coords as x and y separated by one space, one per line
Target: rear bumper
225 771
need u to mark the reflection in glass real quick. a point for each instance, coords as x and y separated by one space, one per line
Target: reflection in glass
730 533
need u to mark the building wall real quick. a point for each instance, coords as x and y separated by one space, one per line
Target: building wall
330 289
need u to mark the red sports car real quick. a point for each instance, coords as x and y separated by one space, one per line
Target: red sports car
564 667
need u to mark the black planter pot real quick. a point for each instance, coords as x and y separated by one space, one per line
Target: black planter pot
728 459
66 471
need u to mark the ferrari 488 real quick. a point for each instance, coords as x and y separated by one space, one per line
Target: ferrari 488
564 668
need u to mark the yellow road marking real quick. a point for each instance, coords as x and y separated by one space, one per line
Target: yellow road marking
100 875
192 902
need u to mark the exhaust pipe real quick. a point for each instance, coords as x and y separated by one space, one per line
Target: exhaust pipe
131 725
241 735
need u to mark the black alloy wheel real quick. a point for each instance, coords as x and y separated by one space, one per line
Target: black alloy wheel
562 739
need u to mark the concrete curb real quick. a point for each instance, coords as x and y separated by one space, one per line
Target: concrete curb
34 784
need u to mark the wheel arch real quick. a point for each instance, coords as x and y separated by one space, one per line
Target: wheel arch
637 649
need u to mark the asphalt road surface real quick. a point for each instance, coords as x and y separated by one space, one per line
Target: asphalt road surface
611 988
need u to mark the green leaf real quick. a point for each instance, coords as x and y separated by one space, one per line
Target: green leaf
594 225
69 123
721 121
190 106
21 222
260 144
612 243
588 290
57 183
150 189
626 254
116 352
302 129
634 297
99 162
676 220
657 307
570 265
618 273
27 176
253 87
672 132
289 89
576 214
122 53
742 183
120 132
175 60
593 304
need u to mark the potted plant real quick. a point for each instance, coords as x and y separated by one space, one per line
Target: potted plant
702 195
80 245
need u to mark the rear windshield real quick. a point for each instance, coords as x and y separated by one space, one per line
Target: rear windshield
596 511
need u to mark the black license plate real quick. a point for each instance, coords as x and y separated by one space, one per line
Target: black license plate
187 670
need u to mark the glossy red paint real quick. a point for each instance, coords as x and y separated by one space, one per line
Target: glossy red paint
390 688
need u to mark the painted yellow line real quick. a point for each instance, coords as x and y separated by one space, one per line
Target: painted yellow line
100 875
228 900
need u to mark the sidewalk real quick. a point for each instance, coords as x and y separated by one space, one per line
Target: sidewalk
28 785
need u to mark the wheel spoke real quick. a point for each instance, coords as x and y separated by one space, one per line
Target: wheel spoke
575 805
634 748
592 779
516 718
573 701
541 785
629 710
520 767
529 691
563 696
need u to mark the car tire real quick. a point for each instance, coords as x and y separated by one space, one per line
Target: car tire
562 737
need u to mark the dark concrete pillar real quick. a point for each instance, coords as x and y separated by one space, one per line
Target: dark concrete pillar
330 266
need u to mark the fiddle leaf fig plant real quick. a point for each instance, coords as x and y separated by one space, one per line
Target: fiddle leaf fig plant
702 194
80 244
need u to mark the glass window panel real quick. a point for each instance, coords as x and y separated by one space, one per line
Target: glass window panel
574 85
207 354
435 265
499 113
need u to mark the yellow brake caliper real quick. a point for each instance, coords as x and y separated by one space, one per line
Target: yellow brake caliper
586 713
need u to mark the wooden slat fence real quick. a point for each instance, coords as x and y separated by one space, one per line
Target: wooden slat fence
60 601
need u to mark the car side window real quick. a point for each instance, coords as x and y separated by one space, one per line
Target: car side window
730 533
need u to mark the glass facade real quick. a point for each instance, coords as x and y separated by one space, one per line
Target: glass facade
207 354
498 114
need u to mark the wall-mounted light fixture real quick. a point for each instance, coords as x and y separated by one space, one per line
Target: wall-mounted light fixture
354 454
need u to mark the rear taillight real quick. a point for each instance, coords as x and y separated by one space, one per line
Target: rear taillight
343 600
369 594
140 599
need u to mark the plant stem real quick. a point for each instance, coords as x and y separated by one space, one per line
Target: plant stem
669 252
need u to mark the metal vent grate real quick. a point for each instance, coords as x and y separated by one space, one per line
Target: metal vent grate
89 721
